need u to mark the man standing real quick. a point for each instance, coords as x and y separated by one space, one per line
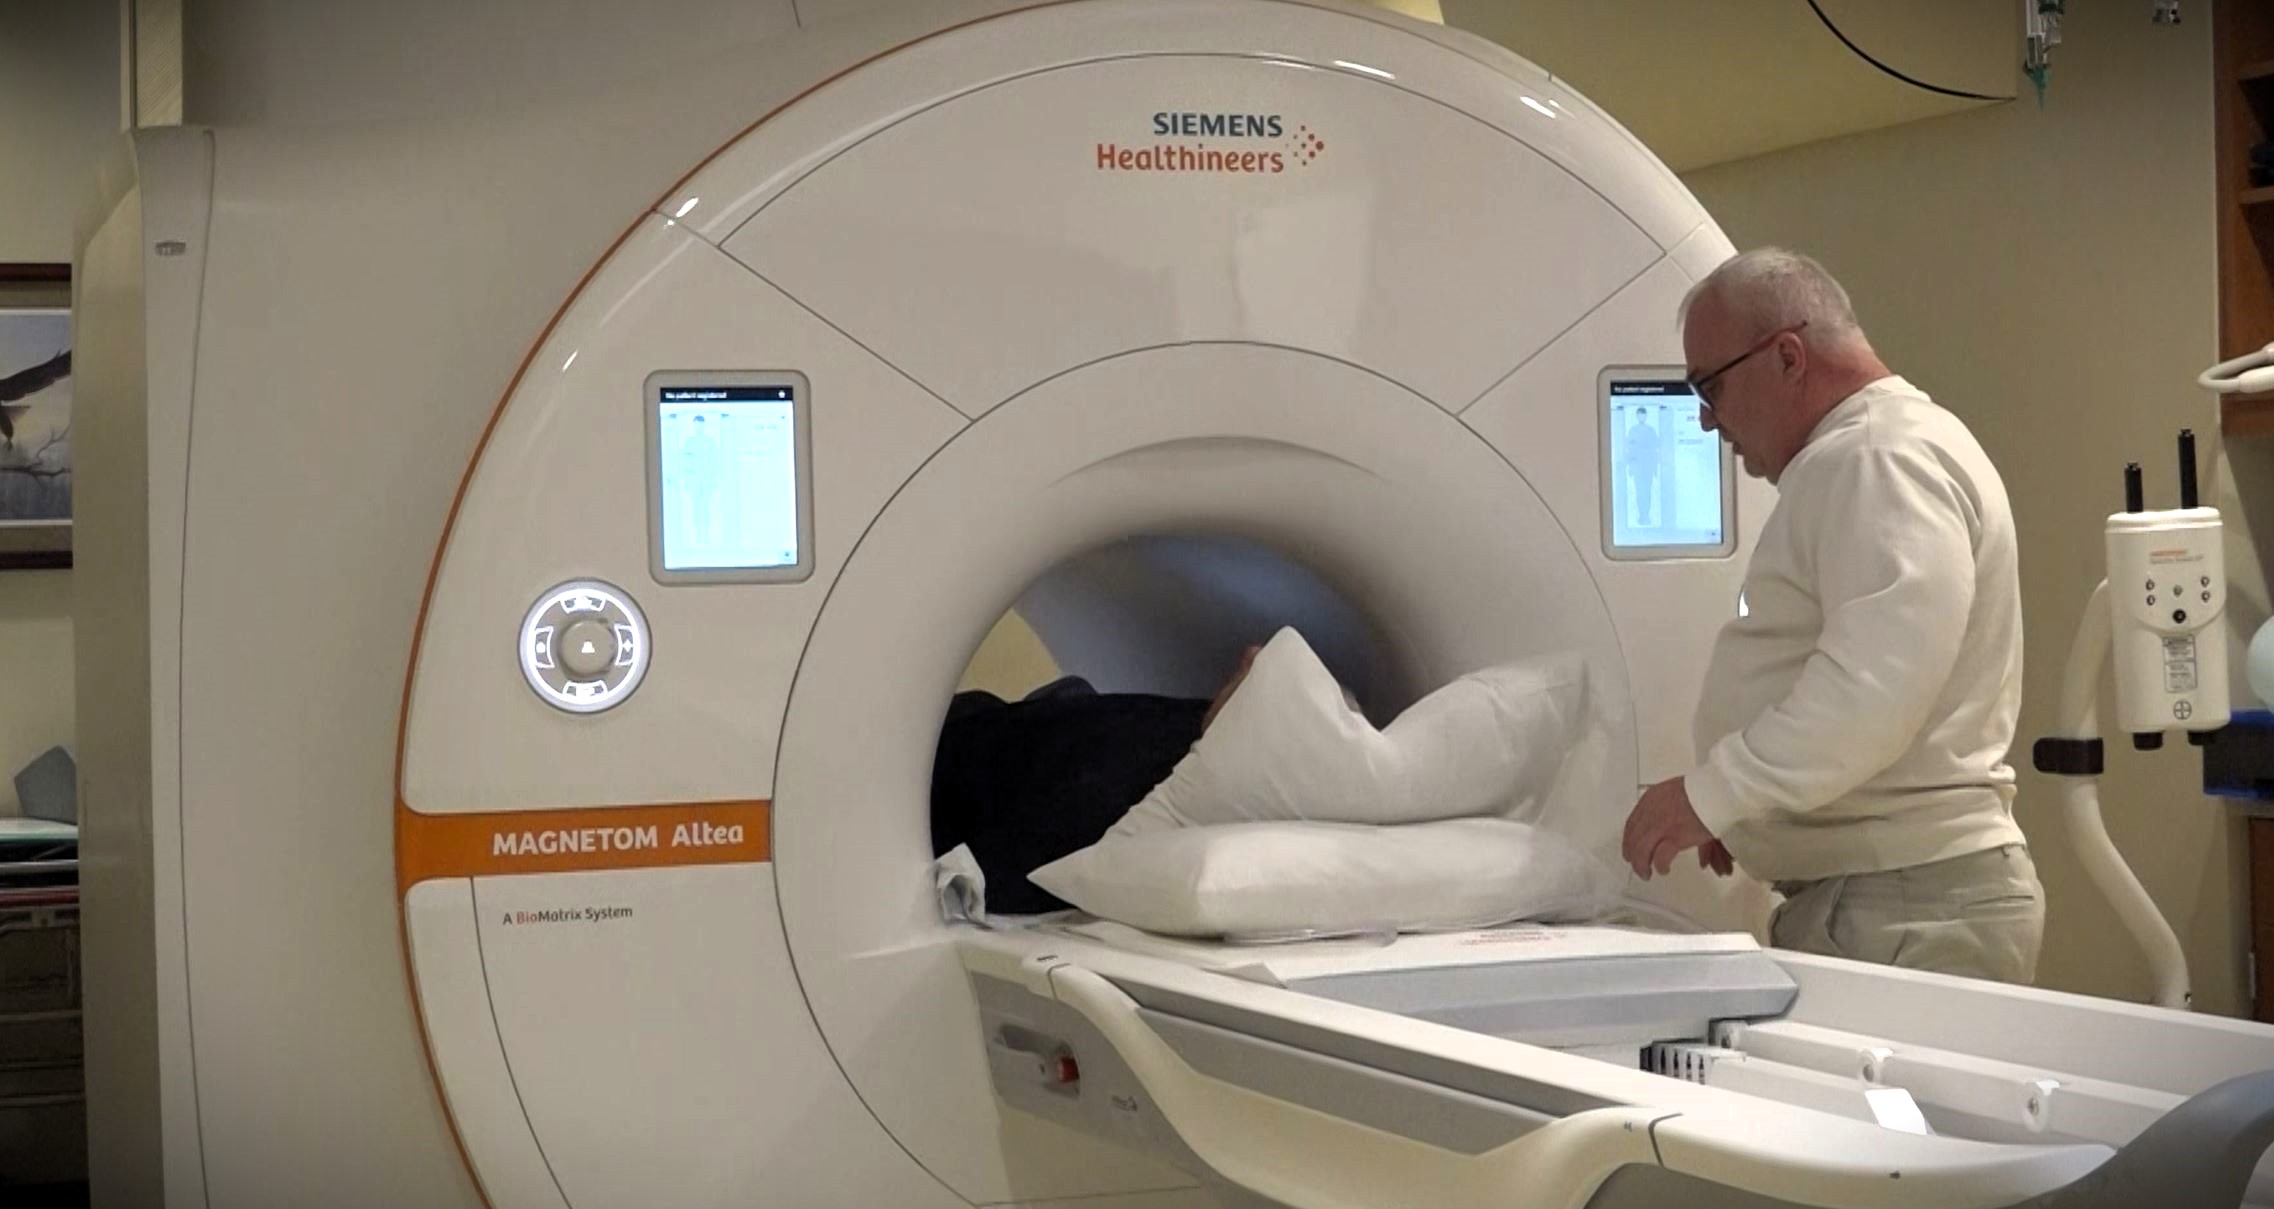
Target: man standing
1855 722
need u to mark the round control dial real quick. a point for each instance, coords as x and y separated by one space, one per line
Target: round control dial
584 646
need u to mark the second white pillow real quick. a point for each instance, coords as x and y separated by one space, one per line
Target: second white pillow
1260 879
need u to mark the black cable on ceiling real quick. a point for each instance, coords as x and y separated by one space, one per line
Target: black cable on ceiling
1866 57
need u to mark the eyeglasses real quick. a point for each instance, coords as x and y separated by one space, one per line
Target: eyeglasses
1703 383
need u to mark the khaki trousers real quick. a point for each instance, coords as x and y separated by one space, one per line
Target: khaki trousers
1978 916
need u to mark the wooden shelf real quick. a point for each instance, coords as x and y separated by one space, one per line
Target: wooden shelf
2243 41
2246 415
2256 81
2262 922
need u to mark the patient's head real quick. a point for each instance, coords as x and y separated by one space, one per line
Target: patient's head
1239 674
1224 694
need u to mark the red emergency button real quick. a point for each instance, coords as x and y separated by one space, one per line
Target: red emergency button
1065 1070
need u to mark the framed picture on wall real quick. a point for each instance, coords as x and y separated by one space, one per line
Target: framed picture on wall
35 415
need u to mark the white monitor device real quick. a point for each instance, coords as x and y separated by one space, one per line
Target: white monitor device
1669 487
730 482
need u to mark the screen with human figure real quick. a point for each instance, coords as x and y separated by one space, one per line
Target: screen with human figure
730 477
1665 470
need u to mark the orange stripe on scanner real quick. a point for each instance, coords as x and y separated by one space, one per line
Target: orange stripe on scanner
431 846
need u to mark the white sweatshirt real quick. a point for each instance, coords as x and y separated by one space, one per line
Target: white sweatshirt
1857 719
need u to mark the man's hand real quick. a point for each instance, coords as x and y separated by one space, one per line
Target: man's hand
1664 826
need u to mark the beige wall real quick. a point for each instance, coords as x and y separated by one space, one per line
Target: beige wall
59 111
2049 275
1420 10
1010 663
1710 83
35 670
315 62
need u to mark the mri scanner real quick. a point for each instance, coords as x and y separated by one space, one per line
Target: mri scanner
499 794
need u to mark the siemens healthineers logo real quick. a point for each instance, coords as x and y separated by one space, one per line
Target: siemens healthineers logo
1241 143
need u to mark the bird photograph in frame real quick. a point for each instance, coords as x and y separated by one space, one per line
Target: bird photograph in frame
35 416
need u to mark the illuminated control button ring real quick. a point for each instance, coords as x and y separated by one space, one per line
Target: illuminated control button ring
584 646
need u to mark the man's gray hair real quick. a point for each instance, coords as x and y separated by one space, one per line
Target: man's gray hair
1771 288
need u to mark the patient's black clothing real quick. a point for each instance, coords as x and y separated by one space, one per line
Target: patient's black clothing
1026 782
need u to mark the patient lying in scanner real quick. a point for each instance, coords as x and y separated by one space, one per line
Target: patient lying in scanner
1026 782
1279 775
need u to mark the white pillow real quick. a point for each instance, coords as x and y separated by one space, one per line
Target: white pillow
1257 879
1287 746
